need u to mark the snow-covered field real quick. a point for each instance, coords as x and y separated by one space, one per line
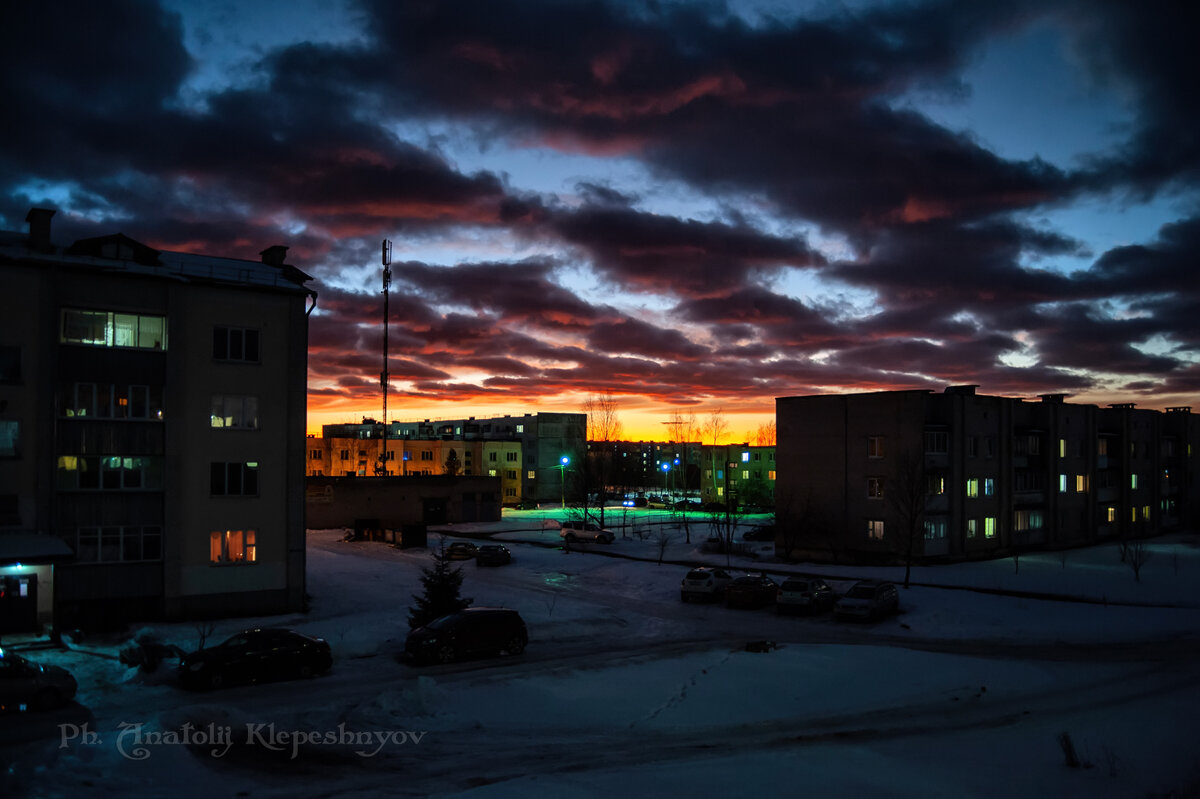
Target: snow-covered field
624 690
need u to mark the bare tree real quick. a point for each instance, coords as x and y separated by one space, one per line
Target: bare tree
715 428
662 541
683 430
1136 555
764 435
603 426
907 493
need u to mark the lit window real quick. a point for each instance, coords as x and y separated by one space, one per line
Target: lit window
972 528
1062 448
234 412
1145 512
1133 481
989 487
530 475
771 475
874 488
989 527
107 329
1111 514
745 457
232 546
1081 483
973 487
1062 484
10 438
875 529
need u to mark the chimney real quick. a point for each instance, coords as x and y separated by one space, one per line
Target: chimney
39 228
274 255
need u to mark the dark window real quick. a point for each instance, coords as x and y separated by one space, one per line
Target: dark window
234 479
10 364
235 344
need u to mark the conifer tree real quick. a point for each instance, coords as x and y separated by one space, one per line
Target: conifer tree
442 585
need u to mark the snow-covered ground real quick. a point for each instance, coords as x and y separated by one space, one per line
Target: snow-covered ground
625 690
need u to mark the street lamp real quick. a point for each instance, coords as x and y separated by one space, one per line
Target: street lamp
562 479
666 467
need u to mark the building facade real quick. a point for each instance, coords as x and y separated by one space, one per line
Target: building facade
967 475
526 452
154 407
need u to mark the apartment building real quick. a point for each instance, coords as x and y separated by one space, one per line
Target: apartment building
153 407
526 452
977 475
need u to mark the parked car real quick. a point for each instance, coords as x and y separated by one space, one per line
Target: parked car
763 533
25 685
751 591
468 633
258 655
460 550
868 599
704 583
586 531
492 555
804 594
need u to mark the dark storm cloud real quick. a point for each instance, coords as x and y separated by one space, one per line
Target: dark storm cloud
799 118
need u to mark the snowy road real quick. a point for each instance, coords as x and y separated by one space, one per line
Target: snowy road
623 684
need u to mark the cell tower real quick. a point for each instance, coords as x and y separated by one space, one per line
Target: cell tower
381 469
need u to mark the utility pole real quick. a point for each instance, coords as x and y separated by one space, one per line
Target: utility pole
383 376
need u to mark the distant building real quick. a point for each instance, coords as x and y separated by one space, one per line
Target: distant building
978 475
152 416
525 452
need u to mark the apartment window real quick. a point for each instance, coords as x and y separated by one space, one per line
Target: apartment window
1030 444
235 344
108 473
973 447
492 457
989 527
511 474
973 487
1145 513
512 457
1102 446
874 446
520 428
316 454
874 488
989 447
530 475
108 329
972 528
1028 520
111 401
234 479
491 472
345 454
745 474
234 412
875 529
115 544
745 457
935 528
935 484
10 364
510 492
10 438
232 546
1062 448
1110 514
1062 483
989 487
426 454
1081 483
937 441
771 474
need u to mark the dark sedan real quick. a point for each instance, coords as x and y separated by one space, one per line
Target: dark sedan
492 555
751 591
461 550
25 685
259 655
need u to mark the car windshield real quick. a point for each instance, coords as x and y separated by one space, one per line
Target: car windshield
795 585
697 574
861 592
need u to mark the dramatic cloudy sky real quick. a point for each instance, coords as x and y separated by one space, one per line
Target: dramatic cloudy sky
689 205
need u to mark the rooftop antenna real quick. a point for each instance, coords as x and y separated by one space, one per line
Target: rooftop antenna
383 376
